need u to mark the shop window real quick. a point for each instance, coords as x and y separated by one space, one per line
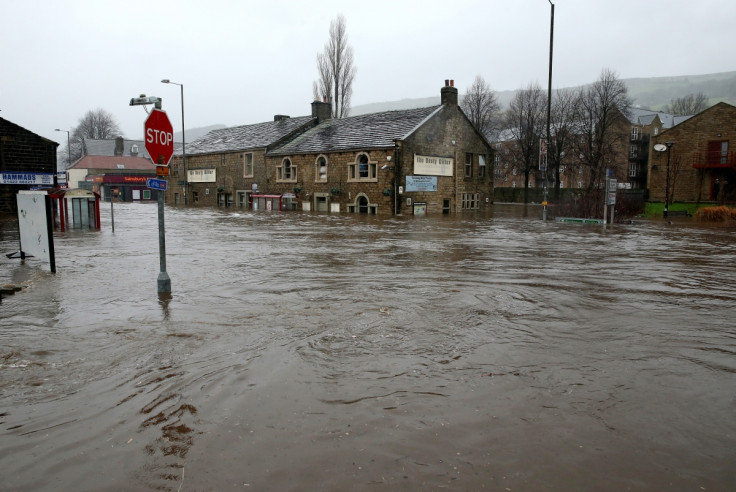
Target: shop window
470 201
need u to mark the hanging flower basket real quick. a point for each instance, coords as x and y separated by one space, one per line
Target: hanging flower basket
387 192
297 190
335 191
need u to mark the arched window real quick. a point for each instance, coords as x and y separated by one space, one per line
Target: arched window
362 169
320 169
286 171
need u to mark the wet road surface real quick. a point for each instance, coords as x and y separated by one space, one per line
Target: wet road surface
342 352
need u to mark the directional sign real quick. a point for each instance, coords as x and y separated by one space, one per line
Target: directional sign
156 184
159 136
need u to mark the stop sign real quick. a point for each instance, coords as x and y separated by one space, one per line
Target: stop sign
159 136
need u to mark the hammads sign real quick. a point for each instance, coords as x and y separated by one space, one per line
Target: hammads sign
159 136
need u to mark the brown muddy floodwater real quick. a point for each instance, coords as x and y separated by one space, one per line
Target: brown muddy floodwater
340 352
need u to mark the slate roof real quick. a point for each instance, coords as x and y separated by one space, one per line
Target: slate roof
376 130
646 116
97 146
259 135
114 163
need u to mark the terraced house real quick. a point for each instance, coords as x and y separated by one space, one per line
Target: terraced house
416 161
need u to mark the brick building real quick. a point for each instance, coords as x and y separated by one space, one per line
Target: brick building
702 163
22 151
628 159
417 161
113 168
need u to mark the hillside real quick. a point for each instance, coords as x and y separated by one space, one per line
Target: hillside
652 93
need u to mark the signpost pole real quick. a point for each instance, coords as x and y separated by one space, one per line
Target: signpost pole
159 136
164 282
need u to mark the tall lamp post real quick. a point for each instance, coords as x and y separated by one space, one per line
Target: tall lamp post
183 139
661 148
549 105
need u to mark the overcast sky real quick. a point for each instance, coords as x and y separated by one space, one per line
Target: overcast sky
243 61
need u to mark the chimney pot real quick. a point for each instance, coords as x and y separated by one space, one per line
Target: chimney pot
452 83
447 82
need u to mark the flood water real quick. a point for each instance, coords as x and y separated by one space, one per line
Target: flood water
309 352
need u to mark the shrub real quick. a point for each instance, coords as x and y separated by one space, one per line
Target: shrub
715 214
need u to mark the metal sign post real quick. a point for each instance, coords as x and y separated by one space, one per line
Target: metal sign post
159 140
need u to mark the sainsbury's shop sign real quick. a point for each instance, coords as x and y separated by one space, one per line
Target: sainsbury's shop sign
21 178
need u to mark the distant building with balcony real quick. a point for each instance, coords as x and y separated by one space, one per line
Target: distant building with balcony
702 163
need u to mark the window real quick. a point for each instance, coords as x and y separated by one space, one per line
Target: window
634 133
320 169
247 165
470 201
656 131
362 169
481 166
634 152
633 169
195 196
286 171
562 169
146 194
468 165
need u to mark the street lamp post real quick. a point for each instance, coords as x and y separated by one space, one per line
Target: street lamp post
667 180
661 148
68 148
183 138
549 106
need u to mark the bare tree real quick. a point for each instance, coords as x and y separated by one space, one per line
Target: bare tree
600 107
526 121
336 71
98 124
481 105
687 105
562 131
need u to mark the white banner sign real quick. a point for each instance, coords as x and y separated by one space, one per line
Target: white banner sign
433 166
201 176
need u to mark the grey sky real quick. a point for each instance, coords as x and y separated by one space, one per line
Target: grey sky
242 62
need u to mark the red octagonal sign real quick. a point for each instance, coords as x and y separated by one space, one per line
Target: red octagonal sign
159 136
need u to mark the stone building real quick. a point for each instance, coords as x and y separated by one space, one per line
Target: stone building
26 160
697 157
226 166
417 161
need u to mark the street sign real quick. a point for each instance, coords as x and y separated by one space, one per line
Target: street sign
156 184
159 137
162 170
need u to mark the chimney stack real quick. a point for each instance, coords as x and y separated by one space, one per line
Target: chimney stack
322 110
448 94
119 147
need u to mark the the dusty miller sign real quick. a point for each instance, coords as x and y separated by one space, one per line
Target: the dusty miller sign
433 166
